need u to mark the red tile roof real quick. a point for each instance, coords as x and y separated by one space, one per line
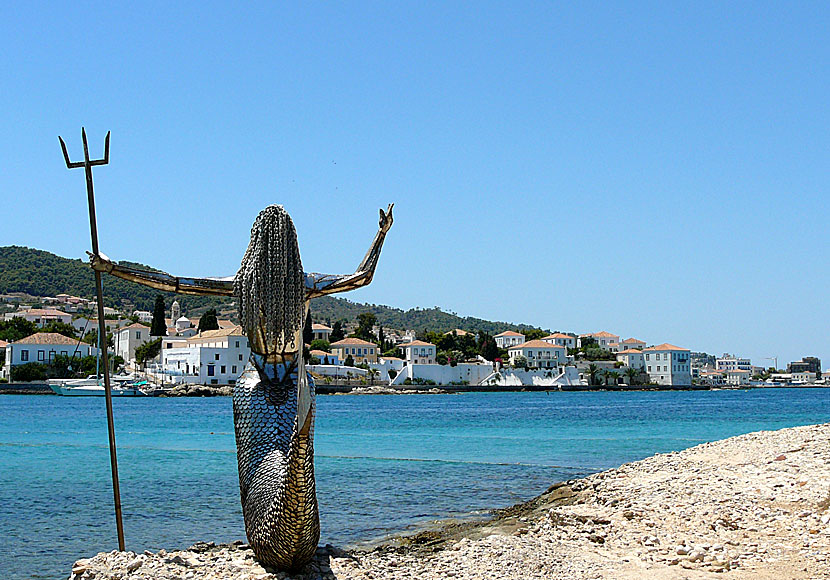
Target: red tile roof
47 338
415 343
536 344
510 333
353 342
665 346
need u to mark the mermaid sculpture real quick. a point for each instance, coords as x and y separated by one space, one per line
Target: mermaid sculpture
273 400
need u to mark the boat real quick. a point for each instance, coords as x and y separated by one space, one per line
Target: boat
121 386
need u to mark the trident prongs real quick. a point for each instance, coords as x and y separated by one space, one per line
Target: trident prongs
91 163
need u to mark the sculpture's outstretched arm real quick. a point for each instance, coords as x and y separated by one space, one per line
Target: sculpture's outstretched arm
321 284
162 280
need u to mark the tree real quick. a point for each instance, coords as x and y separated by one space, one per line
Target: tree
337 332
147 351
487 346
633 375
614 376
381 339
61 328
16 328
349 362
593 371
372 374
534 333
308 329
208 321
365 323
320 344
158 326
520 362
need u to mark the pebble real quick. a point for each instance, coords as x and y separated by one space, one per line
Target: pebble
676 511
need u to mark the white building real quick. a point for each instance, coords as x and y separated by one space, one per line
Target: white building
127 339
561 339
326 358
41 316
509 338
632 343
605 340
729 362
737 377
320 332
214 357
539 354
144 316
667 364
632 358
42 347
419 352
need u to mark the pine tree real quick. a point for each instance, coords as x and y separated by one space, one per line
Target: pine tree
381 339
158 326
337 332
208 321
308 331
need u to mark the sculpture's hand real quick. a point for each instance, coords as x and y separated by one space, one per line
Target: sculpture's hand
100 262
386 218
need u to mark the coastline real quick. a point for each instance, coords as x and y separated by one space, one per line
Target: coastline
751 506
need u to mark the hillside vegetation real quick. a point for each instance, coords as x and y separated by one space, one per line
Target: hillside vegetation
41 273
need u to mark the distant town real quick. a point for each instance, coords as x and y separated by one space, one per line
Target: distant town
56 336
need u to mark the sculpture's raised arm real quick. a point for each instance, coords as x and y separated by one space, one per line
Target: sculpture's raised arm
162 280
321 284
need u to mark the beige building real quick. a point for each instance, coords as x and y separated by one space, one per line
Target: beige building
360 350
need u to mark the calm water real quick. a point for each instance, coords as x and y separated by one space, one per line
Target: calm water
384 463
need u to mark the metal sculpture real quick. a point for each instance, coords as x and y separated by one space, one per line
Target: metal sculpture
273 401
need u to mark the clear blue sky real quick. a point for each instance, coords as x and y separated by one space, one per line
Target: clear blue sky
657 170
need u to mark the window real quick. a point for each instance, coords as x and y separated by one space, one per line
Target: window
233 369
211 370
51 355
138 335
41 355
222 370
649 368
63 352
647 357
237 344
216 356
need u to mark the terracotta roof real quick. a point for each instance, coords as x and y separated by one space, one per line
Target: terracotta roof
510 333
458 332
632 341
47 338
603 334
225 323
559 335
415 343
316 326
390 358
133 325
233 331
3 344
353 341
321 353
665 346
631 351
41 312
536 344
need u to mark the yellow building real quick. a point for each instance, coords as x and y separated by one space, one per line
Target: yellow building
360 350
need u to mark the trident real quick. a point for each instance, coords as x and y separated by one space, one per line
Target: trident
88 164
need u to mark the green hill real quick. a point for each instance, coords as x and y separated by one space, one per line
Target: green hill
41 273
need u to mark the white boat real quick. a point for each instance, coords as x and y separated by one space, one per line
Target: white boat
91 386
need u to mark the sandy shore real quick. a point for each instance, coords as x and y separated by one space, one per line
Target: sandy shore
753 506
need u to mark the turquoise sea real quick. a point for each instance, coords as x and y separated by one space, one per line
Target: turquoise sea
385 464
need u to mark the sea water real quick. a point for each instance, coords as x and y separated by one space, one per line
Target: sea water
384 464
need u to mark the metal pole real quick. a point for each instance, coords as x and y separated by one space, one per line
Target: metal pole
87 164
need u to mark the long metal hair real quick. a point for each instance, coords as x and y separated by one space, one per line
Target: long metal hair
270 284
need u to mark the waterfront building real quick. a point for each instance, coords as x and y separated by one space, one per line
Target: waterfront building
738 377
509 338
712 378
730 362
667 364
213 357
320 332
561 339
43 347
632 358
419 352
632 343
806 364
539 354
360 350
41 316
127 339
803 377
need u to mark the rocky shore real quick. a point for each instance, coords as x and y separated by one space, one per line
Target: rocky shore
754 506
